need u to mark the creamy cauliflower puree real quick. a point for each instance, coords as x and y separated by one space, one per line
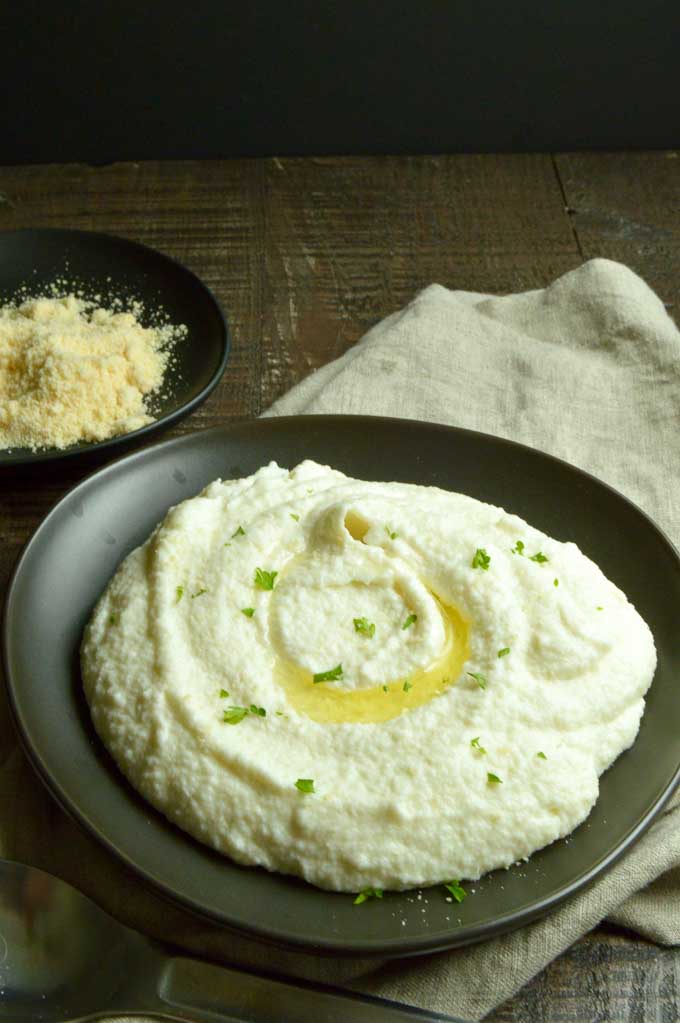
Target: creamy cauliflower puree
363 684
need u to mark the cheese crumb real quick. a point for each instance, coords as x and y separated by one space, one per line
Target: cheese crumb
71 371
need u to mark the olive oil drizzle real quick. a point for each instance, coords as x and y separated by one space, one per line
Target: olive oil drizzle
330 703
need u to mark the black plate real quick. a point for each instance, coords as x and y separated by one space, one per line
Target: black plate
74 552
106 266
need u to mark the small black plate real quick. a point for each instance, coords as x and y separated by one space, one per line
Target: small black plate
106 266
72 555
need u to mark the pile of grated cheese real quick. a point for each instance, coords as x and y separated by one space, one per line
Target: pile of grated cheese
71 371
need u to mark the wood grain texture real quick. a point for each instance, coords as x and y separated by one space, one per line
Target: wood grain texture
305 255
349 241
607 977
627 208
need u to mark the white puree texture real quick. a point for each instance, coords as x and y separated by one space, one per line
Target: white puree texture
399 802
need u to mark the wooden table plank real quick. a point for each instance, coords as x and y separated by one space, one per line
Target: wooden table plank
627 207
350 240
305 255
608 977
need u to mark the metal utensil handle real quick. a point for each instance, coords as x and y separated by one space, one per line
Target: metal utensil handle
215 994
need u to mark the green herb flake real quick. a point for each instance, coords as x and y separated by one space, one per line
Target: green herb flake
368 893
223 694
179 593
305 784
234 715
364 626
238 532
479 678
493 779
542 755
540 557
264 580
296 518
518 548
599 608
392 535
248 611
556 582
456 889
407 686
114 618
411 620
199 593
279 713
481 559
386 689
332 675
504 651
476 745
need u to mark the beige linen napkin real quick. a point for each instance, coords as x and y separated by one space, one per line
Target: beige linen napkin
587 369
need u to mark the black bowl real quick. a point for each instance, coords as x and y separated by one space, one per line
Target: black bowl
103 265
73 554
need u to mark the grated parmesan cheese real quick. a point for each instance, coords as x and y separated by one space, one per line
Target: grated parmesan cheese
71 371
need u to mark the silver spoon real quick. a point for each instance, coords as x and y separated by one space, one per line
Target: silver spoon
63 960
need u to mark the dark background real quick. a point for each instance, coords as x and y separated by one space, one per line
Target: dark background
105 81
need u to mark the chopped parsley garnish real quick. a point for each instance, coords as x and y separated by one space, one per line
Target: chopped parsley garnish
238 532
556 582
493 779
518 548
599 608
368 893
386 689
264 580
233 715
411 620
199 593
295 517
305 784
542 755
392 535
248 611
363 625
504 651
481 559
539 556
476 745
407 685
180 593
114 618
456 889
332 675
479 678
223 694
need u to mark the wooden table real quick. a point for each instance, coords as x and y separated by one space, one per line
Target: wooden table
305 255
